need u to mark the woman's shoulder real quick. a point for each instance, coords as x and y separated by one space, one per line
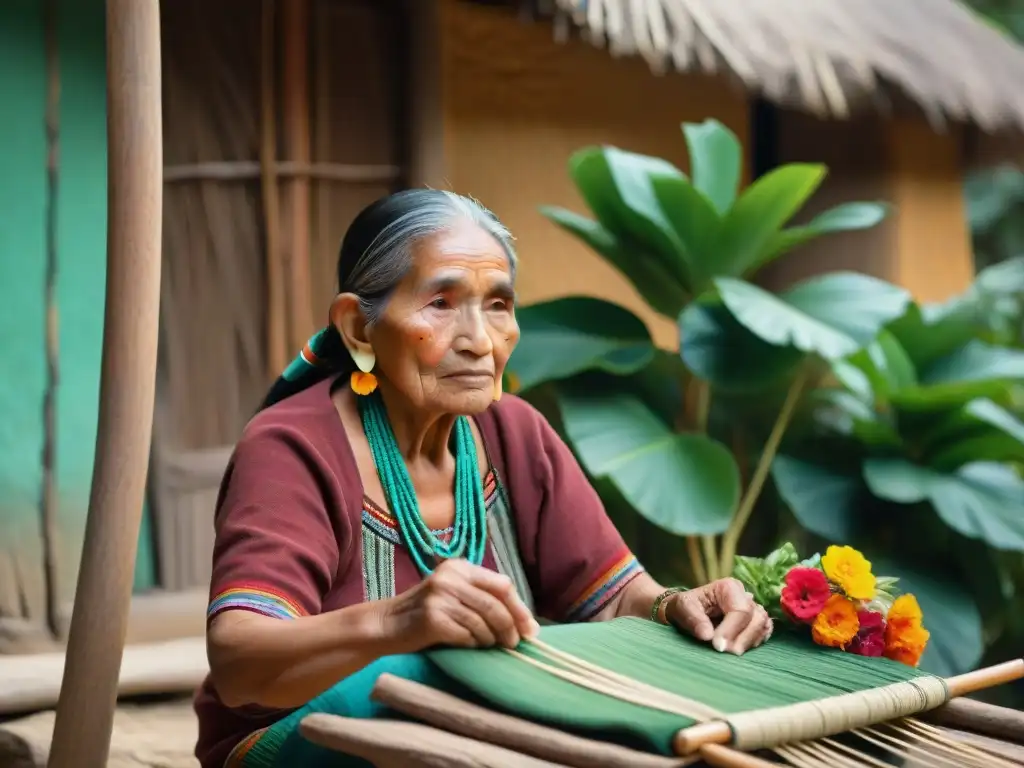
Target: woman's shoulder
305 425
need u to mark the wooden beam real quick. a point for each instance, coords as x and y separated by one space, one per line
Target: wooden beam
295 102
424 92
268 171
85 711
247 170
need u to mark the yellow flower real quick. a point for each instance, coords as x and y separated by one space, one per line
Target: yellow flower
849 569
837 624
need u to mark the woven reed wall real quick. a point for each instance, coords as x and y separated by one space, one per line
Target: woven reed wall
216 323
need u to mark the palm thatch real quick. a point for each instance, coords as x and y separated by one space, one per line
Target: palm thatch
828 57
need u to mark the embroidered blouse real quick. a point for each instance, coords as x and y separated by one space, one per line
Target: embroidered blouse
296 536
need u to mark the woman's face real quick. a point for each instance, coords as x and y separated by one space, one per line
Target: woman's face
449 327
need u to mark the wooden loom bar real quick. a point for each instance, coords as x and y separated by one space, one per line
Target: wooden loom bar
689 740
248 170
267 169
451 713
297 139
88 696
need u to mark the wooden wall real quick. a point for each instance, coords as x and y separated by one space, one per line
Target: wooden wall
925 243
516 104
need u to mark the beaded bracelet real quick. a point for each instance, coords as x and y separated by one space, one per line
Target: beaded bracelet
656 608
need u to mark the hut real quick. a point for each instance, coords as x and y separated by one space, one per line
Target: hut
282 119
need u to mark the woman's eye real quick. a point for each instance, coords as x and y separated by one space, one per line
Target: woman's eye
439 303
500 305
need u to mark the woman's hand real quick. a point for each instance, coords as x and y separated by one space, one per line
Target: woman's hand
742 624
460 604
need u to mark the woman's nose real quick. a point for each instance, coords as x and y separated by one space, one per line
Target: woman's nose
474 334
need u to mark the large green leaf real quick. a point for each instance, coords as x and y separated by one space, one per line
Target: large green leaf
980 431
696 225
716 348
827 501
931 332
560 338
975 370
617 185
982 500
886 364
685 484
656 284
832 315
950 614
761 211
847 217
845 413
716 158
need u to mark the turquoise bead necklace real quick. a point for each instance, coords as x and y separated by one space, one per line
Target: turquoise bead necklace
469 530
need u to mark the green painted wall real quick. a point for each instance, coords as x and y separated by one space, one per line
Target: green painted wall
82 257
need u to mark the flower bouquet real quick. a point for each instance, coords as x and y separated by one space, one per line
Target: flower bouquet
838 597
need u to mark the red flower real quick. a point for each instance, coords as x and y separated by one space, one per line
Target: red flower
805 594
870 638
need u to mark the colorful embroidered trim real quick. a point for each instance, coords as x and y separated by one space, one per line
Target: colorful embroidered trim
256 598
381 522
612 579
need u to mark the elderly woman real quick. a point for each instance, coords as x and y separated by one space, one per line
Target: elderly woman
388 498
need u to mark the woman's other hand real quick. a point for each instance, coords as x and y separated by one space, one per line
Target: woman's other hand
741 623
460 604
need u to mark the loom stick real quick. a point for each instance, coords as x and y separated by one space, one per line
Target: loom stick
443 710
410 745
981 718
689 740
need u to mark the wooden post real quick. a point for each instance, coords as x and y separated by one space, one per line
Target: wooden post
88 696
295 103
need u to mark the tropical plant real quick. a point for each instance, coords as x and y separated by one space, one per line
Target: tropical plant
918 457
654 428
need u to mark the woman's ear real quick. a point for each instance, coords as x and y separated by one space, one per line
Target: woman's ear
347 318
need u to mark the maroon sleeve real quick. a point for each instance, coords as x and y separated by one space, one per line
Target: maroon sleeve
583 561
574 556
276 551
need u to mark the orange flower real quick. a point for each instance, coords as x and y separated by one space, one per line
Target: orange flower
837 624
363 383
905 612
906 644
850 570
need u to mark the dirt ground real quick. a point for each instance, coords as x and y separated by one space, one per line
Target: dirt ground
159 735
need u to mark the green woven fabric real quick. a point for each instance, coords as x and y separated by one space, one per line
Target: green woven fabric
786 670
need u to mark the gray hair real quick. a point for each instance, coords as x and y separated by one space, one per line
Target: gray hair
393 226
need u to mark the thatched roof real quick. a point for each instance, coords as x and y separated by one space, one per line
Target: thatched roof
828 57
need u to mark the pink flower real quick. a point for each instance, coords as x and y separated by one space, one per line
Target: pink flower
805 594
870 638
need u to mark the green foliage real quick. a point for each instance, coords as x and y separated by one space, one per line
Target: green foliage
690 247
884 424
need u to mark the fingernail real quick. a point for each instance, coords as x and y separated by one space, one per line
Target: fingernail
749 594
534 629
705 633
720 644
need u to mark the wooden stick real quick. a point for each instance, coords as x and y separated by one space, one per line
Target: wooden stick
689 740
295 87
85 710
723 757
443 710
989 677
979 717
247 170
410 744
277 321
